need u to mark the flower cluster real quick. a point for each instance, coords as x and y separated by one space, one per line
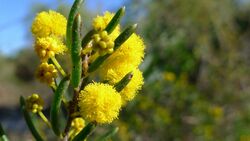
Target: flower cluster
46 73
49 29
34 103
102 43
104 75
100 102
129 92
77 125
124 60
49 23
100 23
47 47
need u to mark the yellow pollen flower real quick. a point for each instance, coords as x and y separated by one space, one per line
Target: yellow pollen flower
46 73
34 103
131 52
100 103
49 23
117 73
100 23
48 47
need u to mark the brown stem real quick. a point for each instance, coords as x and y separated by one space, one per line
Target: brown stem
85 71
73 104
72 110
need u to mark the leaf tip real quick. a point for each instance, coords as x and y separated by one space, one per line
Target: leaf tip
135 26
123 9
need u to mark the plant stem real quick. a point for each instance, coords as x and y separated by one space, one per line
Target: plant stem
55 62
3 136
71 133
72 110
44 118
53 86
64 100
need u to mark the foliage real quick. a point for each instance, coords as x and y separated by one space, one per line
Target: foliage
196 72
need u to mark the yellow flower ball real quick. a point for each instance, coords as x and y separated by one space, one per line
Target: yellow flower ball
48 47
99 103
100 23
46 73
131 53
49 23
117 73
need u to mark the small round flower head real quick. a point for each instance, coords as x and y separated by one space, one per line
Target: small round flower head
49 23
99 103
129 92
131 53
77 124
100 23
34 103
47 47
102 43
46 73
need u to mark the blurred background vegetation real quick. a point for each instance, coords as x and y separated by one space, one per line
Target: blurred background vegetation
196 69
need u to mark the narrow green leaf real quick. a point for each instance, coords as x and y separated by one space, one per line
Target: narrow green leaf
3 136
97 63
76 52
124 36
56 104
109 134
73 11
85 132
87 38
123 82
118 42
29 121
115 20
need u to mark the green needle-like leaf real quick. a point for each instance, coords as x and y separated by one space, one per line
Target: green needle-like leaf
74 10
3 136
76 52
85 132
97 63
29 121
124 36
123 82
109 134
87 38
56 104
118 42
115 20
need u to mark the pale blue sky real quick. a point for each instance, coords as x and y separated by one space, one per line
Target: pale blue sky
13 28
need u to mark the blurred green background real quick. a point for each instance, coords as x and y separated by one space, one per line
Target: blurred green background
196 69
